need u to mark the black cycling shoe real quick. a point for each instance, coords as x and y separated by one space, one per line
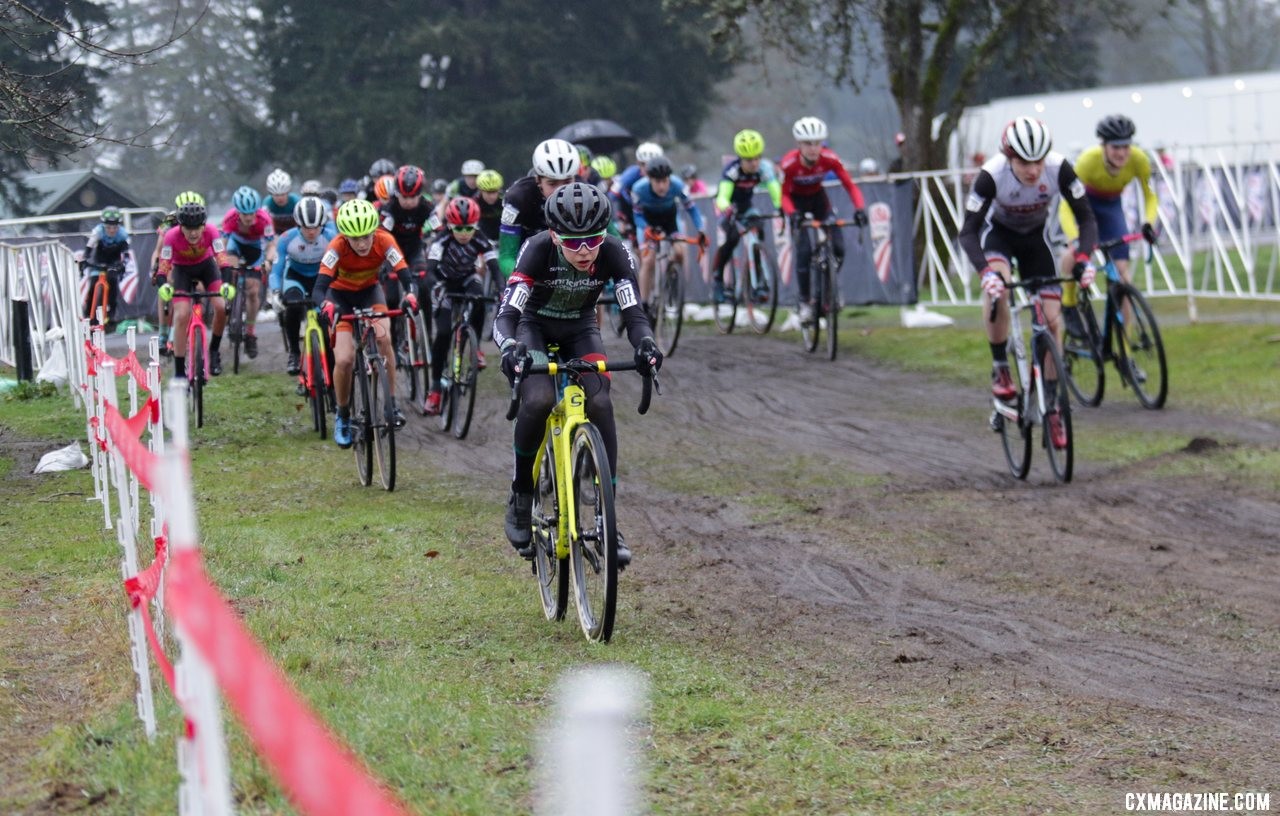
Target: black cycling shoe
215 362
519 523
251 346
624 552
294 365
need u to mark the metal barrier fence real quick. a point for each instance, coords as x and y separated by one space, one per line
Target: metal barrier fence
44 276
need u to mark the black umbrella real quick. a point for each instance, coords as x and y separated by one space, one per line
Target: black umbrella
599 135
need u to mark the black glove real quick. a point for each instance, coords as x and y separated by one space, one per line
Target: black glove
1149 233
158 279
514 356
648 357
860 218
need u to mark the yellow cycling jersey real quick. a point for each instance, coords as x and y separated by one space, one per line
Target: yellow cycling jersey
1091 168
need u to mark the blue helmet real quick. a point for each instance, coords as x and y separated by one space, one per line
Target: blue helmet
349 185
246 200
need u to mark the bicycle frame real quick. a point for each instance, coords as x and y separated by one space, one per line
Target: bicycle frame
313 332
1029 371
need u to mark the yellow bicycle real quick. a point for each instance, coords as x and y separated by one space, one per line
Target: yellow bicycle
315 379
573 511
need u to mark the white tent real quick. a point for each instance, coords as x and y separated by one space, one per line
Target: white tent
1239 112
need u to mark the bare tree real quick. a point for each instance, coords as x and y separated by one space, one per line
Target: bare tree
1232 36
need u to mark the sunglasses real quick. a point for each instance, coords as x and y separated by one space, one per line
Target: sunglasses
578 243
462 228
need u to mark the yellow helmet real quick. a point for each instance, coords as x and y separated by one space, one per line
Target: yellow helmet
489 180
605 166
357 218
748 144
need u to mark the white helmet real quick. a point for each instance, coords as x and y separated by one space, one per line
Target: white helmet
648 151
809 129
1026 138
472 167
278 182
868 167
310 212
556 159
311 187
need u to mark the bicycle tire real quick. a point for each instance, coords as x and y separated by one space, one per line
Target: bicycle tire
593 553
361 423
765 274
384 426
235 324
466 377
315 387
673 303
412 380
810 333
552 571
1085 357
99 304
447 403
725 314
1140 349
831 305
1061 460
195 374
1015 435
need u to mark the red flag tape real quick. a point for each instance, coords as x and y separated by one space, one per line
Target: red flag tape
136 456
321 777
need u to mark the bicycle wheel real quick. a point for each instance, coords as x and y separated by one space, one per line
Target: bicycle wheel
552 571
407 375
1139 349
235 325
1086 370
1061 460
315 386
384 425
448 404
593 552
673 302
195 375
810 332
726 313
762 300
361 421
830 301
1015 433
465 379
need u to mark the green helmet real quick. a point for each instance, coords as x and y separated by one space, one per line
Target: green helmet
189 197
748 144
489 180
111 215
357 218
605 166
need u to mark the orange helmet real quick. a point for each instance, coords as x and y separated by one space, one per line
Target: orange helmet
384 186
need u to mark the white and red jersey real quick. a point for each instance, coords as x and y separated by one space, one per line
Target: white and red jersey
805 180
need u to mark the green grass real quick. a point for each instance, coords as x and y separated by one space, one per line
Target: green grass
412 630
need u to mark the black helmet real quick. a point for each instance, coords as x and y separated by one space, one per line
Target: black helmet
689 171
382 167
192 214
578 209
1116 129
659 167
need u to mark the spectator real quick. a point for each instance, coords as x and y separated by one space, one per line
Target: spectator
898 164
868 167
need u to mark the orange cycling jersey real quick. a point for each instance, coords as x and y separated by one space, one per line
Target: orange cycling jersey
354 273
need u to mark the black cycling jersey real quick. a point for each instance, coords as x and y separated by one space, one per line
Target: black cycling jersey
406 225
546 287
490 218
453 263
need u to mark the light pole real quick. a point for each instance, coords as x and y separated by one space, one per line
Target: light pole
432 76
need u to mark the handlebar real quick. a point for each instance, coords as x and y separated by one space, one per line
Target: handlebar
1105 247
1031 285
369 314
576 367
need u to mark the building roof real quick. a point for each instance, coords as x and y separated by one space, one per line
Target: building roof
54 189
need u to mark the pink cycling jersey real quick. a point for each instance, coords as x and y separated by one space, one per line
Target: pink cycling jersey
258 229
800 179
177 250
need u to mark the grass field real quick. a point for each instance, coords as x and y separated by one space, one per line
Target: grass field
414 633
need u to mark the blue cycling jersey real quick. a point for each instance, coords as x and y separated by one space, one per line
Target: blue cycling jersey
648 205
300 255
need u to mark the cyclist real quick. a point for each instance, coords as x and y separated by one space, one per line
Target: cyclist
489 197
439 190
280 201
586 172
194 252
1007 219
107 248
735 196
383 189
380 168
620 192
348 189
465 185
407 214
695 185
1106 170
168 222
803 198
555 164
348 280
293 277
606 168
247 228
451 269
653 202
551 297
